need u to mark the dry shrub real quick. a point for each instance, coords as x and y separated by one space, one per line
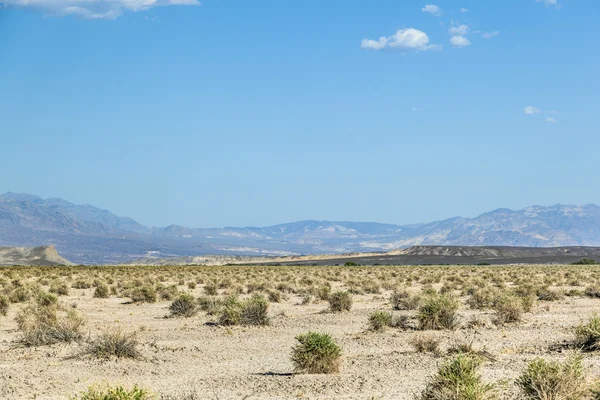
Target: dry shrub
183 306
425 344
340 301
114 344
44 322
102 291
403 300
508 309
316 353
4 302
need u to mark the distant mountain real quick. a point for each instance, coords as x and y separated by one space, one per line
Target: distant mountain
86 234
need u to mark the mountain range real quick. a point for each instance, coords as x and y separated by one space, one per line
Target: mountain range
89 235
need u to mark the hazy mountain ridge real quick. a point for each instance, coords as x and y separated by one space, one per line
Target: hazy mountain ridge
87 234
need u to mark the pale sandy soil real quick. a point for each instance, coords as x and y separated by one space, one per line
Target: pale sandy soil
254 362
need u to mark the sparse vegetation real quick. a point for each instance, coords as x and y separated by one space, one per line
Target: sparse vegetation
438 311
340 301
114 344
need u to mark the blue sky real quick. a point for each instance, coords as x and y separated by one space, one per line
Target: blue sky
234 113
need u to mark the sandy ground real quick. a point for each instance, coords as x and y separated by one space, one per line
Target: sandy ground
254 362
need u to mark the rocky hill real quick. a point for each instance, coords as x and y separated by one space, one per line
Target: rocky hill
89 235
41 255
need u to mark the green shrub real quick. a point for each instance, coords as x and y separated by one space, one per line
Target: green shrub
116 393
350 264
183 306
340 301
379 320
316 353
114 344
438 311
81 285
588 334
230 313
59 288
458 379
554 380
211 305
546 294
593 292
585 261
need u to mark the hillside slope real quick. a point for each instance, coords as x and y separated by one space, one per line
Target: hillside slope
41 255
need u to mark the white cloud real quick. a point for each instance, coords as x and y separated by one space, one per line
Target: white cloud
464 10
432 9
530 110
459 30
550 120
488 35
459 41
408 39
93 9
548 2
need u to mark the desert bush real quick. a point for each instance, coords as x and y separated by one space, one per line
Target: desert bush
211 289
323 292
592 291
167 292
554 380
425 344
4 302
379 320
458 379
60 288
340 301
508 309
481 299
144 294
101 291
116 393
183 306
546 294
254 311
43 323
210 304
588 334
114 344
192 285
81 285
275 296
403 300
438 311
316 353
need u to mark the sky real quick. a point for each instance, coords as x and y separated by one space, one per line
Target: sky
252 113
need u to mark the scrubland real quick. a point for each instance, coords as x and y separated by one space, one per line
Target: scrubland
340 332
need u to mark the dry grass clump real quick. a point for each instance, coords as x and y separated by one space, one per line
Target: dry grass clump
458 379
425 344
588 334
402 300
144 294
115 393
509 309
183 306
114 344
543 380
438 311
340 301
316 353
44 322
